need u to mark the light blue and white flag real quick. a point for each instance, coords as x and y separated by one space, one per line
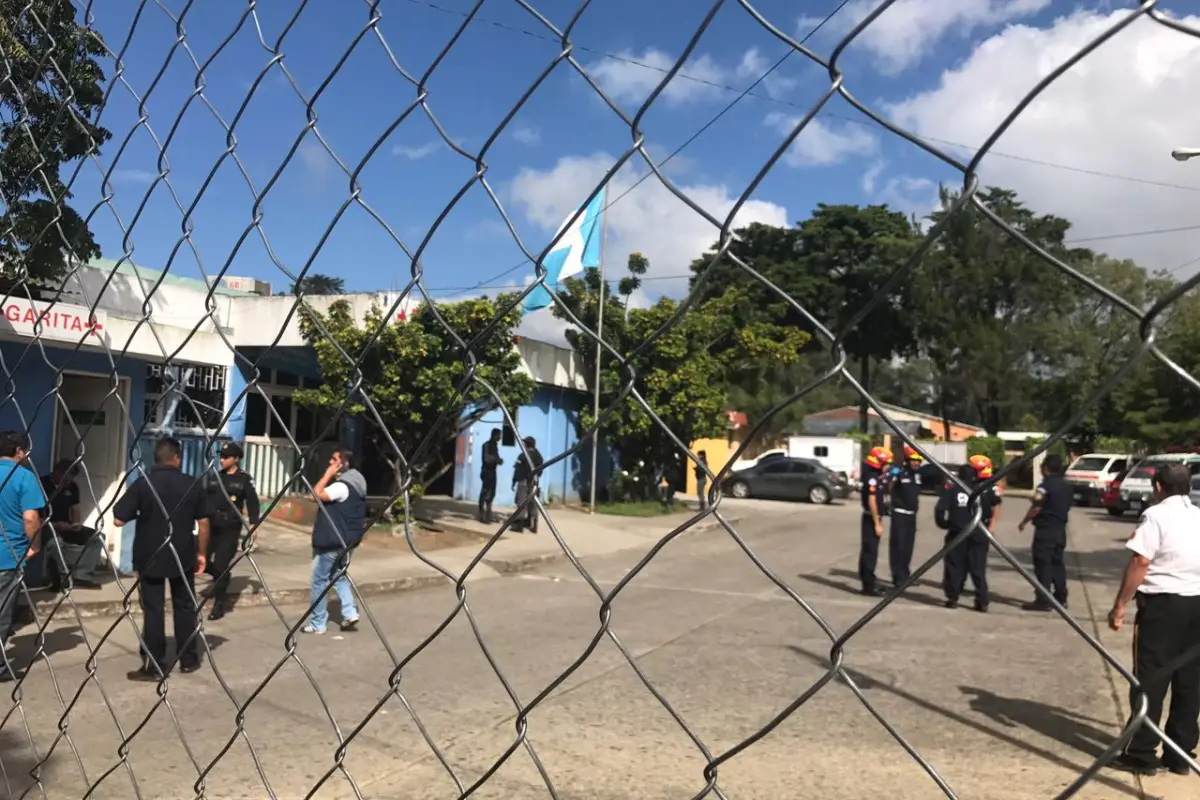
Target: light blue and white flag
579 248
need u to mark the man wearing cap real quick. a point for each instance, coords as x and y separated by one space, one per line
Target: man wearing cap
230 497
906 494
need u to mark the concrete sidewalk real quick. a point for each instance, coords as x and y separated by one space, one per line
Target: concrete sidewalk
279 567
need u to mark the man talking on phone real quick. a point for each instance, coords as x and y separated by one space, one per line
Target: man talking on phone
341 495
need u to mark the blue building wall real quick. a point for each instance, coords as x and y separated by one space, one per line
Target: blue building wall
551 418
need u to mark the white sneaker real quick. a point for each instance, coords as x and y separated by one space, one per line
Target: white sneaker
310 629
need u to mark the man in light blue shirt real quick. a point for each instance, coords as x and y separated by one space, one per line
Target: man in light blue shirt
21 503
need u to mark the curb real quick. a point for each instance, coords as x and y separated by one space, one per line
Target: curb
302 595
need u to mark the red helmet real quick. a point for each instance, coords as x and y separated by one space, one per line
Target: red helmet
982 466
912 455
879 457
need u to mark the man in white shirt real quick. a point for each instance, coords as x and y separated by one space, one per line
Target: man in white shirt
1164 575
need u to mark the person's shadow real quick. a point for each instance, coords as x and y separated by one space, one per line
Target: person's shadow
1076 731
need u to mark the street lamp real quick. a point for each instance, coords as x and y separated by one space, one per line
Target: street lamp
1184 153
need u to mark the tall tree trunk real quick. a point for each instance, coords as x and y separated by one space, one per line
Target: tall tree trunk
944 405
864 378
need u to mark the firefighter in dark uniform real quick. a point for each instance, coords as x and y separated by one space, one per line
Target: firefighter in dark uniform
874 508
953 513
226 525
906 494
1048 512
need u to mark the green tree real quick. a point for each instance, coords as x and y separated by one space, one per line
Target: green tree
682 376
411 374
52 89
988 311
832 264
319 283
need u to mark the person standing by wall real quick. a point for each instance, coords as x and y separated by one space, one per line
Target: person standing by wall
702 479
487 476
232 494
1048 512
525 482
339 527
21 504
78 549
170 546
1163 578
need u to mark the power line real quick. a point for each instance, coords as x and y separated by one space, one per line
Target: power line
741 95
781 101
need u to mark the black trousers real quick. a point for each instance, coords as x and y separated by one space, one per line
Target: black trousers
967 558
900 545
487 491
1166 654
868 552
183 611
1049 545
222 548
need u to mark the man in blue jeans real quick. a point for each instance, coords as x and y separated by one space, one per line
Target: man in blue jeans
21 503
341 495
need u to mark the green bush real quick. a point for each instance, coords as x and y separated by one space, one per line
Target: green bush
1115 444
1059 448
990 446
865 439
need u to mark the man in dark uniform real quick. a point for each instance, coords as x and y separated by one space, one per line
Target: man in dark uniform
487 475
953 514
906 493
1048 512
525 482
874 507
169 546
231 496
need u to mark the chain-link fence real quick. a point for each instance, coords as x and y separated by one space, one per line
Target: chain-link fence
106 324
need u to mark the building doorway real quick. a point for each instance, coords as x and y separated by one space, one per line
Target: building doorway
91 424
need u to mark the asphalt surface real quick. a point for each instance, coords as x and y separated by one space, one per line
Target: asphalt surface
1004 705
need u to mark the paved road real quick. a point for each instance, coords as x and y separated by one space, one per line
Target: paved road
1006 705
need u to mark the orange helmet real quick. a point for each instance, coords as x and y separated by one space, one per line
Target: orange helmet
879 457
982 466
912 455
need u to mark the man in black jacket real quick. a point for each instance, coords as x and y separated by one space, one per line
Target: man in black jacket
341 495
1049 512
953 514
232 494
487 476
525 481
170 507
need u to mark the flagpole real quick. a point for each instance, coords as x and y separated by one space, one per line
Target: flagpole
599 351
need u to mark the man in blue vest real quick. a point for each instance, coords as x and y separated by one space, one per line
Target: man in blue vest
341 497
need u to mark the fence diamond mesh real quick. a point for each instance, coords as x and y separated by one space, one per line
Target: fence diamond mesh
50 705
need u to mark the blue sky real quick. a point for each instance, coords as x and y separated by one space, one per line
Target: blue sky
931 63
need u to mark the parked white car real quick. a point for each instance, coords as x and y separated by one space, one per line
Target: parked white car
1089 475
1137 491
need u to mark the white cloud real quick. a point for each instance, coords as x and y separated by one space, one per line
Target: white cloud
1120 111
822 143
908 30
527 135
649 219
418 152
912 195
315 158
123 175
701 79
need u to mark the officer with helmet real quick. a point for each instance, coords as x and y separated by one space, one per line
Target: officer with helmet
906 494
953 514
874 503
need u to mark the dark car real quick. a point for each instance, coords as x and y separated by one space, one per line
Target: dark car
788 479
933 479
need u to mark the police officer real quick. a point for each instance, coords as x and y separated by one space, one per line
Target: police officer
226 522
953 514
906 493
1048 512
874 508
487 476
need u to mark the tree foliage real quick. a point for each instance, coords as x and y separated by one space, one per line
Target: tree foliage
683 376
412 372
318 283
51 94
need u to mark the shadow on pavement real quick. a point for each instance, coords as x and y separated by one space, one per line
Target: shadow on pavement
1055 723
19 767
853 588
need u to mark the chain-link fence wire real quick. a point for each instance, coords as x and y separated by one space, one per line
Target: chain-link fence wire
42 70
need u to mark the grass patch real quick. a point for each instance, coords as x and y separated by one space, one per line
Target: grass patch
645 508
